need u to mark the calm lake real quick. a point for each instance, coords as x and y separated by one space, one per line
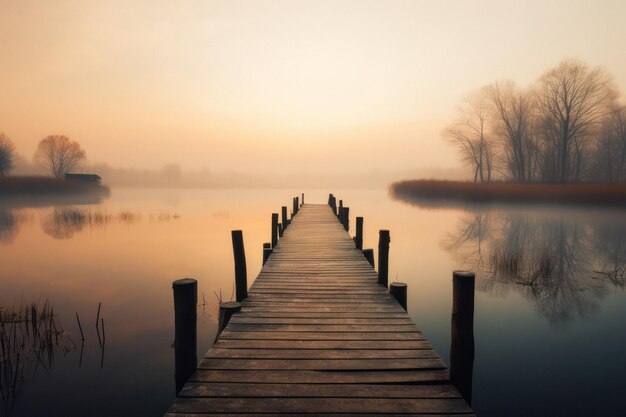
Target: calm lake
550 302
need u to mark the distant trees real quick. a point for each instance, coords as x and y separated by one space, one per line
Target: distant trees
469 133
7 155
567 127
59 154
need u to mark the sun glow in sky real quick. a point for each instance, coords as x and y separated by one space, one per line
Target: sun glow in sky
265 85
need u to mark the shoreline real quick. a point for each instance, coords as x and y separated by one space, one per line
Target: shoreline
37 186
437 192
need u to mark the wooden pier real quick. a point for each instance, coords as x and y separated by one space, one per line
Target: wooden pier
318 336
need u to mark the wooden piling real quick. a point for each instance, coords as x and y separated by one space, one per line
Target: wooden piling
185 341
280 230
274 229
302 202
285 219
462 340
241 273
383 257
330 199
398 290
295 206
369 255
340 207
227 309
358 239
346 218
267 251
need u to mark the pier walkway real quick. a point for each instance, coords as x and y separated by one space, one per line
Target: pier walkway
318 336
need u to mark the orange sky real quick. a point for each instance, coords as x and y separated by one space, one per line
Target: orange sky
261 85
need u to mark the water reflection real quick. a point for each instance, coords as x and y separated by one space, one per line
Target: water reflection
64 222
562 263
9 225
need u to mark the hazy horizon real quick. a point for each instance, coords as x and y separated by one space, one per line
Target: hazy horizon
280 86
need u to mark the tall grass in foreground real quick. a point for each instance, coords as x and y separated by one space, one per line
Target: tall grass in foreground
30 336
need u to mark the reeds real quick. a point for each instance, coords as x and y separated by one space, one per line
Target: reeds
30 336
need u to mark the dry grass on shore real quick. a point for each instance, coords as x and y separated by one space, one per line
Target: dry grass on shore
507 192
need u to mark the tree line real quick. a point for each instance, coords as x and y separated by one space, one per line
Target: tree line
57 153
569 126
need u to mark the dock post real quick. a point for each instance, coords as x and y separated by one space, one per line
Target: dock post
285 220
302 199
334 205
185 341
280 230
358 239
398 290
340 207
383 257
369 255
274 229
330 199
267 251
241 273
227 309
346 218
295 206
462 340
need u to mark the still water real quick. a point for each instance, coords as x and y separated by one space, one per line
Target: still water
550 303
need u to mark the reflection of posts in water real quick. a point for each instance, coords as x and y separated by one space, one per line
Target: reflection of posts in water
358 239
462 341
241 274
185 352
383 257
398 290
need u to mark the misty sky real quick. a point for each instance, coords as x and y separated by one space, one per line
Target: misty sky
266 85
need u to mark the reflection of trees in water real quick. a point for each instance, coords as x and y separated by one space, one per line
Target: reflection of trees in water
30 337
611 246
549 259
64 222
10 221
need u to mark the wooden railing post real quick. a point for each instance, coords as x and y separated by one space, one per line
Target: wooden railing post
369 255
285 220
398 290
227 309
358 239
241 273
185 338
383 257
340 207
280 230
274 230
462 340
302 199
267 251
295 206
346 218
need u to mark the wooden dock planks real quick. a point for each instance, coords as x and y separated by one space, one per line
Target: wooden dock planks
317 336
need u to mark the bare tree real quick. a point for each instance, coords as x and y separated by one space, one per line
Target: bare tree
7 155
469 133
513 126
573 100
610 164
60 154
